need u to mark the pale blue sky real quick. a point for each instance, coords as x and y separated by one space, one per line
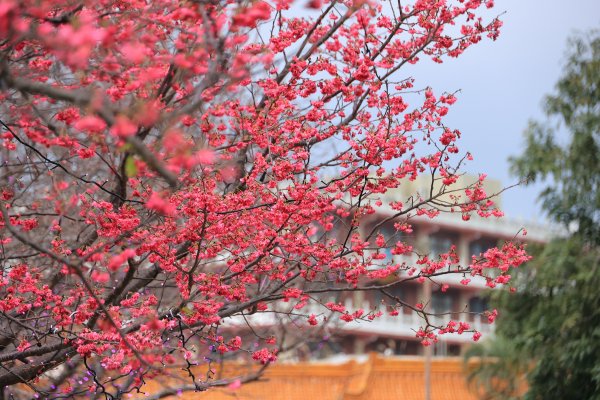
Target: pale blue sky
503 83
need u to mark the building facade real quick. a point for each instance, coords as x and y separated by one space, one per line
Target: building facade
445 296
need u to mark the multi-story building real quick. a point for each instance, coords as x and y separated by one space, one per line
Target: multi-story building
444 295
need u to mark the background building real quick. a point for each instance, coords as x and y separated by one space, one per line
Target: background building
445 295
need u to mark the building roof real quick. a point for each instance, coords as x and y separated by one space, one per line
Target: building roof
378 378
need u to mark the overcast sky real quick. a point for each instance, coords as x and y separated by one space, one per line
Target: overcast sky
503 83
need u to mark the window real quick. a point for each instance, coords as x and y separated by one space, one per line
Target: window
441 302
322 349
477 304
477 247
376 297
439 244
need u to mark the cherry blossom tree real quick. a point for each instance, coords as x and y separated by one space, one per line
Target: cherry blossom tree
170 166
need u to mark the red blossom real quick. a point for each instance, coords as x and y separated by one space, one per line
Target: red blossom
116 261
123 127
264 356
157 203
168 178
248 17
90 123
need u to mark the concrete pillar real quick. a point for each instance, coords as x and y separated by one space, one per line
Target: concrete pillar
464 253
360 345
423 247
358 300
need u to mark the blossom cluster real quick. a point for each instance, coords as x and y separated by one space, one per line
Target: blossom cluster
167 167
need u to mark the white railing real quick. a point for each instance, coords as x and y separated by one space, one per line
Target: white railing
403 325
451 278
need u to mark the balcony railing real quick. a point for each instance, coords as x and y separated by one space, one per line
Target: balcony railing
403 325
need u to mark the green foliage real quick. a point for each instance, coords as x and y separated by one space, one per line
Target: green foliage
130 167
551 326
495 370
572 170
554 321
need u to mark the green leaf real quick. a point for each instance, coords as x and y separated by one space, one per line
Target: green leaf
130 167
